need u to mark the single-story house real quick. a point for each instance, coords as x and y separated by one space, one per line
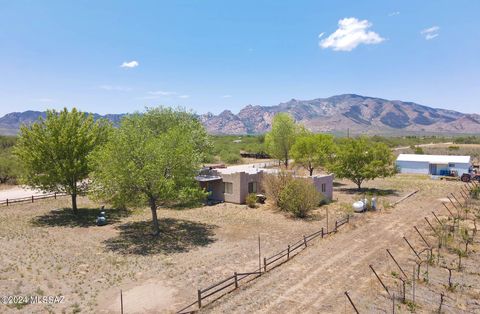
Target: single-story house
233 184
443 165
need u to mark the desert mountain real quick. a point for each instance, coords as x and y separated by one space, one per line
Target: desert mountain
337 114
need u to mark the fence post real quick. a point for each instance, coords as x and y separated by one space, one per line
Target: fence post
421 236
393 303
351 302
322 232
236 279
411 247
288 252
55 195
378 277
389 253
32 198
305 240
265 264
121 301
199 298
336 222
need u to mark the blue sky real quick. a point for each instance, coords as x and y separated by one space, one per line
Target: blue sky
214 55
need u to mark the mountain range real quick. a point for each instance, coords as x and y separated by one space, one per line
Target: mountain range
337 114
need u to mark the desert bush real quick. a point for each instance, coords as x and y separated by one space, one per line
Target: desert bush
299 197
230 157
275 183
251 200
475 193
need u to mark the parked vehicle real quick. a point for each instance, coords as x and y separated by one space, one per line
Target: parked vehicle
467 177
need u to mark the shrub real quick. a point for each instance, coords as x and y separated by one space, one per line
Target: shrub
299 197
251 200
475 193
229 157
275 183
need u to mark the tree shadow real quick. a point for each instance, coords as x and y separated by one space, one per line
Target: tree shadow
337 184
176 236
86 217
370 191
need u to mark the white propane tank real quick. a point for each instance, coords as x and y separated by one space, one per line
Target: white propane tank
358 207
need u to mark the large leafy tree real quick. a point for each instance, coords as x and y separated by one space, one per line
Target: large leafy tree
281 138
313 150
151 160
53 152
360 160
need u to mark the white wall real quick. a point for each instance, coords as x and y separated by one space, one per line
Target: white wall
424 167
461 168
413 167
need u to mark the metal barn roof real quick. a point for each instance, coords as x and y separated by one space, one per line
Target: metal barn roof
434 159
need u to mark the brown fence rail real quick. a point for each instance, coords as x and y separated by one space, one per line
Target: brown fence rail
269 263
30 199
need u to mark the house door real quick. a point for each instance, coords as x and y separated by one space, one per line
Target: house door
433 169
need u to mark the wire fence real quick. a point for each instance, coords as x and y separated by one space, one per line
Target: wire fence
438 290
231 283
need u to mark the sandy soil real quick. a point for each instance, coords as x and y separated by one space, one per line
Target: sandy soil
46 251
15 191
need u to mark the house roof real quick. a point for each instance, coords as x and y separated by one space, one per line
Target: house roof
434 159
247 168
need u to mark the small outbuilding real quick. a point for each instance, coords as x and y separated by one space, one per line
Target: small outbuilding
441 165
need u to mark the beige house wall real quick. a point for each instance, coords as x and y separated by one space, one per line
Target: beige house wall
241 180
328 185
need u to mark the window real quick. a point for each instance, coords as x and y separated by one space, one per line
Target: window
451 165
252 187
227 187
324 187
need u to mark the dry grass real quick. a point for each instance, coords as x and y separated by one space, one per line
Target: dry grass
47 250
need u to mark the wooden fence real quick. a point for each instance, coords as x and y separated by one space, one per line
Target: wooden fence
269 263
30 199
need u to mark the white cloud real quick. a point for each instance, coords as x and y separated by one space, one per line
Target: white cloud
161 93
227 96
321 35
184 96
430 33
130 64
351 32
394 13
115 88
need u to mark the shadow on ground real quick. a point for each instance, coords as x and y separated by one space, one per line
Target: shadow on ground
337 184
175 236
86 217
370 191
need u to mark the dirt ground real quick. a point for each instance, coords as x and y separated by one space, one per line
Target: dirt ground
47 251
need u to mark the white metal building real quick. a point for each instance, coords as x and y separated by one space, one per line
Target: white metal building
433 164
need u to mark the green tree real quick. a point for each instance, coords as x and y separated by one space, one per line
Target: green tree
313 150
360 160
53 152
151 160
8 167
281 138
